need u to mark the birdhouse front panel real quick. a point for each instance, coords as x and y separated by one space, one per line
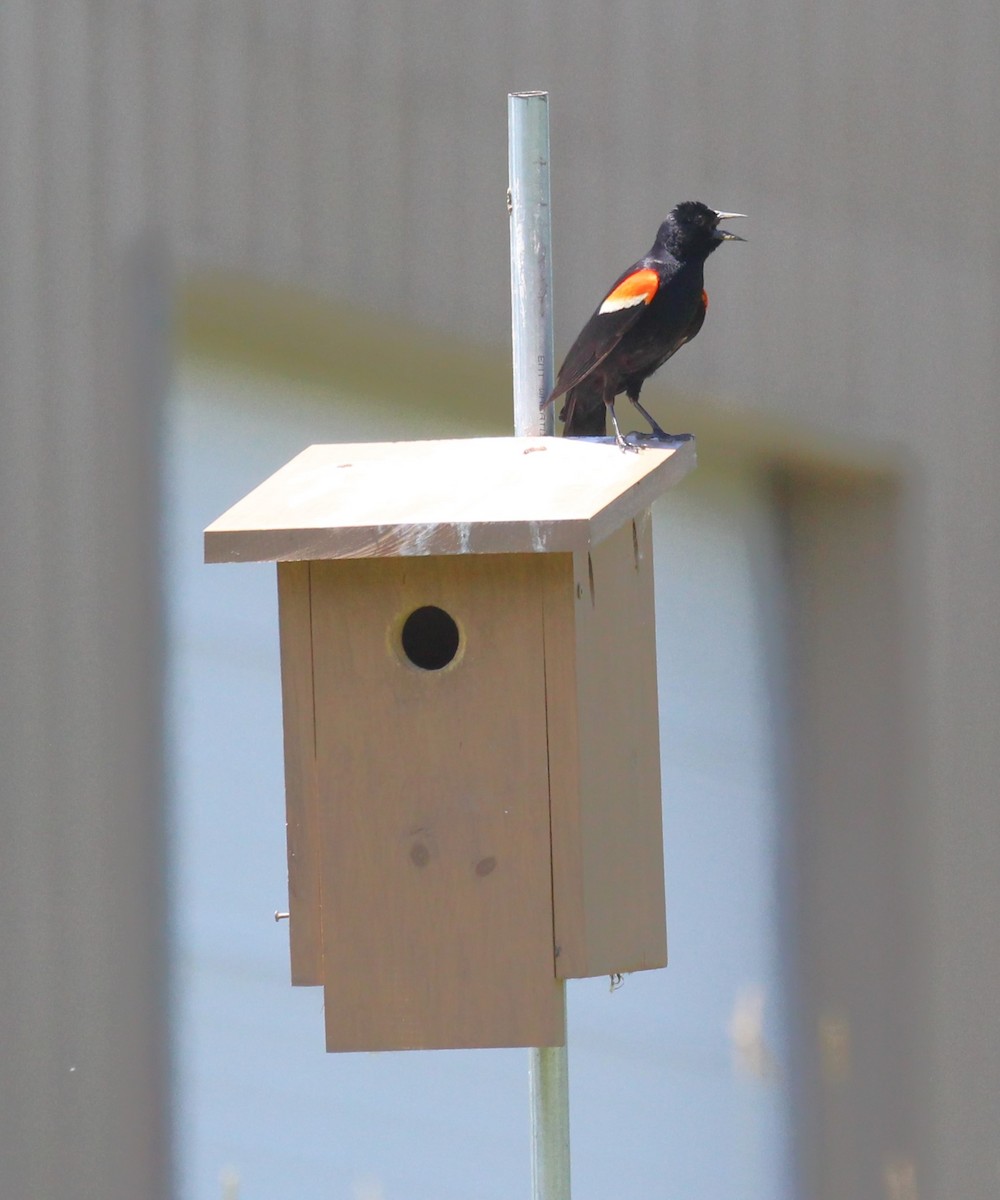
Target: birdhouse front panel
431 752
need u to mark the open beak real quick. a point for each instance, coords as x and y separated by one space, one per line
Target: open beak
724 233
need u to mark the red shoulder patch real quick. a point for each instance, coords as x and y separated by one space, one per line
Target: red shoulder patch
638 288
704 299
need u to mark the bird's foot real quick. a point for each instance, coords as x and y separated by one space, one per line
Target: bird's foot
659 439
630 447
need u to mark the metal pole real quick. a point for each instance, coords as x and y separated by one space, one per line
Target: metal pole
549 1074
531 312
530 260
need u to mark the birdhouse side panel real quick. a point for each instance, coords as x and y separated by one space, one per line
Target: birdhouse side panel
433 804
621 802
301 798
608 852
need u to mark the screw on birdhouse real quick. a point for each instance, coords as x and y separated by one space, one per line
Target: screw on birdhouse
280 916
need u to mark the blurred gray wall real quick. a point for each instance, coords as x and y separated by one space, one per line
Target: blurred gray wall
84 292
358 150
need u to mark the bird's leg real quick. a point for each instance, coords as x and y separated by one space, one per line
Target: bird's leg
609 400
633 395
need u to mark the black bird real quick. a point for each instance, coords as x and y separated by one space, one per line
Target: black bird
650 312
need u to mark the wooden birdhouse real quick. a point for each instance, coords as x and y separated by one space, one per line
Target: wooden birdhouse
471 731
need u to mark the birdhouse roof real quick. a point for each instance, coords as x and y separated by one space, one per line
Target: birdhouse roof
464 496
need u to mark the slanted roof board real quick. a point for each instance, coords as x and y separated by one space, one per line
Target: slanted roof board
477 495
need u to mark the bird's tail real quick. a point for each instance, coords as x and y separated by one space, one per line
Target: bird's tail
585 414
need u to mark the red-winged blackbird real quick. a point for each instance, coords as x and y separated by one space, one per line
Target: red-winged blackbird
651 311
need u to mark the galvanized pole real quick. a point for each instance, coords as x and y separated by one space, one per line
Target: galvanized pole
530 260
531 310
